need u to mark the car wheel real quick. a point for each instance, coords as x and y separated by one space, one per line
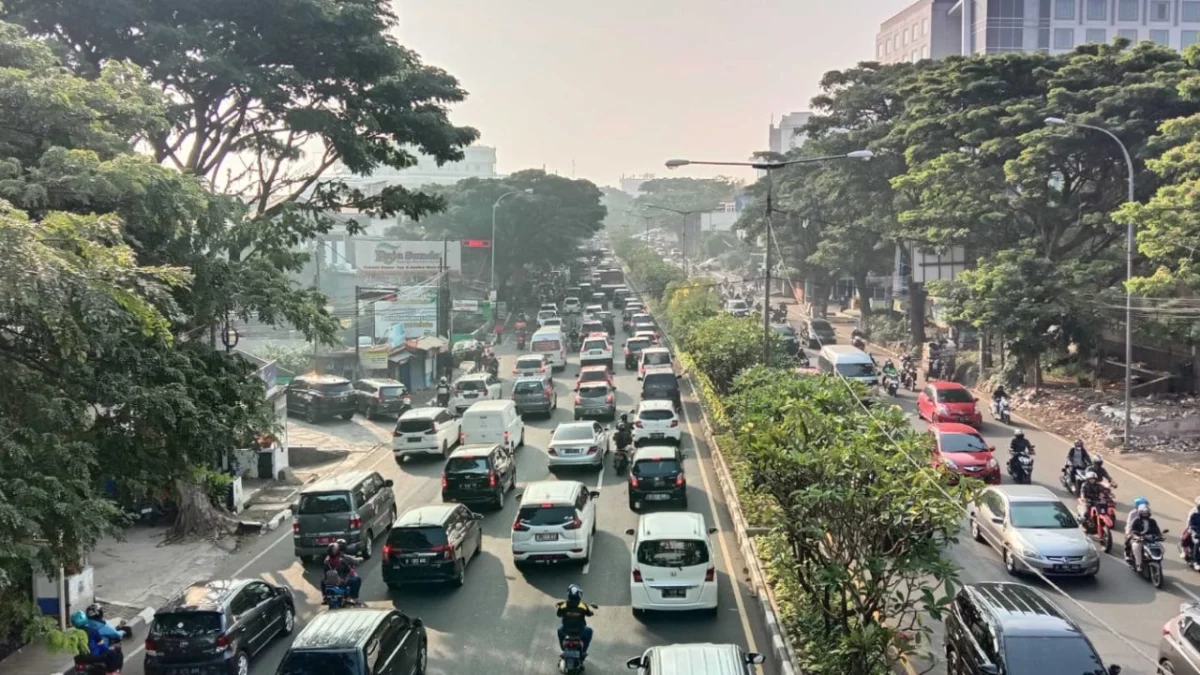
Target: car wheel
241 664
310 415
498 500
368 546
289 620
348 415
576 417
1166 667
460 576
521 442
1010 562
422 659
976 533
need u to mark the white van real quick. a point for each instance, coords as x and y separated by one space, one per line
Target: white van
550 341
674 563
489 422
695 659
849 362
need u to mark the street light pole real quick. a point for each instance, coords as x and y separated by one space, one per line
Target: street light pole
496 205
683 244
1130 243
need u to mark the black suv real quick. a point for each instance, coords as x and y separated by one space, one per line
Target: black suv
656 477
432 543
479 473
358 641
376 396
318 397
216 626
999 627
661 383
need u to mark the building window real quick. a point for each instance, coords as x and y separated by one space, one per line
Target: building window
1187 38
1043 39
925 52
1162 37
1189 11
1064 38
1160 10
1129 34
1064 9
1127 10
1096 35
1097 10
924 26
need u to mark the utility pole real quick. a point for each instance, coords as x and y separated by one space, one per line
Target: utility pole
767 276
445 315
357 330
317 285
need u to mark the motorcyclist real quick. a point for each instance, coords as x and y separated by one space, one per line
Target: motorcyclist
1017 447
574 614
889 371
1098 467
1077 459
1092 492
443 392
997 395
624 433
337 560
574 337
1143 525
101 638
1190 533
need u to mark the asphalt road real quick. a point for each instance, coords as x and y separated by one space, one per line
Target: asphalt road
502 620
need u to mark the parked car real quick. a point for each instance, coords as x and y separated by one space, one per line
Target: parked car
432 543
217 626
656 475
472 388
358 641
578 444
556 522
1032 530
960 450
357 506
791 341
948 402
596 400
318 397
377 396
673 564
655 421
425 431
479 474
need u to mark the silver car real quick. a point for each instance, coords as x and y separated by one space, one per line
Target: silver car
595 400
1033 530
1178 649
578 444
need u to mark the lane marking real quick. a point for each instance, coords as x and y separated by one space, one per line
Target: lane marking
596 516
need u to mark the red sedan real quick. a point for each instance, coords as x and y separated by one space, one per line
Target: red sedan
948 402
963 452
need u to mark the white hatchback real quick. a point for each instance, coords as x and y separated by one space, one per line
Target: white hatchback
546 314
470 389
572 306
425 431
673 566
556 522
596 350
655 421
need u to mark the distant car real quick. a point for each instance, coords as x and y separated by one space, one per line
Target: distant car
596 350
1032 530
656 475
948 402
545 314
641 322
1179 646
535 394
819 333
650 335
556 522
606 319
571 306
596 400
550 322
425 431
791 341
578 444
431 543
656 422
594 374
479 474
242 616
962 452
355 640
531 364
472 388
653 357
591 310
594 325
738 308
633 350
377 396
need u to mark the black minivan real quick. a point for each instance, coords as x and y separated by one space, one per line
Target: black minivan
661 383
432 543
479 474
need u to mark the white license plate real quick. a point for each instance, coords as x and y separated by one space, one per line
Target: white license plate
418 561
674 592
656 435
595 352
657 497
546 537
414 439
571 451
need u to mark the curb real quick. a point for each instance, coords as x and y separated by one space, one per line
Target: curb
278 518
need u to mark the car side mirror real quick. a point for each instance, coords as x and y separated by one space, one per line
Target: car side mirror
997 520
596 493
389 482
991 448
630 532
712 530
755 658
634 663
1114 670
417 622
518 496
477 516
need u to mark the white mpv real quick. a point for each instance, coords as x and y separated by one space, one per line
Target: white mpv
655 421
556 522
674 564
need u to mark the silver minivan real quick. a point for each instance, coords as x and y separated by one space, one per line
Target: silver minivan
695 659
357 506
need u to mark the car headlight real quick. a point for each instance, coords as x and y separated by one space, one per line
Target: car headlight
943 410
1026 551
993 464
950 464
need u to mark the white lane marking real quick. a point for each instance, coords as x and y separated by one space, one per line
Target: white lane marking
721 536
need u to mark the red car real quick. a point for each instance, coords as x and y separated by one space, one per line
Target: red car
962 451
594 374
948 402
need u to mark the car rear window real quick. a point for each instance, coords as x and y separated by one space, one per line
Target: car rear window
324 662
339 388
593 327
673 553
593 376
595 344
821 326
582 432
471 385
416 538
637 345
593 392
322 503
186 624
545 516
530 362
962 443
656 468
656 415
546 345
467 465
414 425
1035 654
391 392
657 358
661 381
528 387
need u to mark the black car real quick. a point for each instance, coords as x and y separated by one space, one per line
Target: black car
633 350
216 626
358 641
318 397
376 396
660 382
598 299
656 477
1003 627
432 543
791 341
479 473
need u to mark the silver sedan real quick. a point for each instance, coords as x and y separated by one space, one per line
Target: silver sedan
578 444
1033 530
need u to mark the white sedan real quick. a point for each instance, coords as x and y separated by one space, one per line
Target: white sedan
655 421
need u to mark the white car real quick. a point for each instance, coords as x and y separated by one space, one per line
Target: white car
555 522
654 356
572 306
472 388
596 350
545 314
655 421
425 431
578 444
674 564
531 364
590 311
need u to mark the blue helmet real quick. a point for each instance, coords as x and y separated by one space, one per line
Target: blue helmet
79 620
1140 501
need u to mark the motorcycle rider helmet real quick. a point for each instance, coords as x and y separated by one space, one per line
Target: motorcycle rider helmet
1098 461
1091 476
94 612
1079 443
1018 433
1142 500
341 544
79 620
442 380
333 549
624 417
1143 510
575 593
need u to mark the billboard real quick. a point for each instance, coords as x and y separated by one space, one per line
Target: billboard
412 314
392 256
374 358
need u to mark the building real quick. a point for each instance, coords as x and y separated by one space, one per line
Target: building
788 134
479 161
632 185
938 28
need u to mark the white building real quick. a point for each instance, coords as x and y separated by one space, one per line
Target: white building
937 28
632 185
789 133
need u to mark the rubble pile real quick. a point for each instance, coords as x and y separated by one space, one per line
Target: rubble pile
1097 417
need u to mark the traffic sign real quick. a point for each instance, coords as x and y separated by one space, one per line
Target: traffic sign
477 243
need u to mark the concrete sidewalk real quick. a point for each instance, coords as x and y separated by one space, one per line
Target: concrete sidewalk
37 659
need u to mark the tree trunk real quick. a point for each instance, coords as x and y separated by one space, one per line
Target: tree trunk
916 313
864 301
197 516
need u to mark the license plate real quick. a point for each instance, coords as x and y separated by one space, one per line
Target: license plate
657 498
656 435
1066 568
570 654
472 395
414 439
571 451
595 352
546 537
324 540
674 592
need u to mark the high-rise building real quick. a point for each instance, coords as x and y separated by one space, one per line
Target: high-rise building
789 133
938 28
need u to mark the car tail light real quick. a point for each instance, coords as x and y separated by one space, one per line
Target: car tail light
608 399
710 574
546 394
1166 627
492 478
518 527
355 523
432 430
462 437
679 480
674 423
637 574
577 400
396 433
445 482
295 528
593 450
542 369
627 351
389 550
151 648
515 371
575 524
639 424
552 452
447 551
222 642
633 481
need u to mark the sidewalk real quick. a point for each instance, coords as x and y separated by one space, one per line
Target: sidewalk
37 659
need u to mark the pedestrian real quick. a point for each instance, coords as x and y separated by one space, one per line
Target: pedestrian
499 332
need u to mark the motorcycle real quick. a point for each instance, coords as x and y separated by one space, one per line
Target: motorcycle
1000 410
621 458
1071 478
521 340
1020 467
1099 521
859 343
570 661
1152 557
909 377
335 594
86 664
891 385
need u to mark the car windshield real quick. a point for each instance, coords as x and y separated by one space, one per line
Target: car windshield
593 392
673 553
954 395
416 538
1034 655
186 624
330 502
656 415
391 392
545 516
323 662
528 387
582 432
595 344
414 425
467 465
637 345
471 385
657 358
963 443
656 468
786 331
338 388
856 369
821 327
1041 515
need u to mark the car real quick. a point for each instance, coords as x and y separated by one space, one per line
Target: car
535 394
1005 627
600 298
571 305
791 341
656 475
425 431
556 522
432 543
661 383
578 444
318 397
594 374
596 400
605 318
652 357
358 641
544 314
948 402
960 450
1032 530
737 307
819 333
650 335
696 659
633 350
590 311
240 617
375 396
673 565
596 349
472 388
355 506
655 421
550 322
531 365
481 473
596 326
548 307
620 296
641 322
1179 646
631 307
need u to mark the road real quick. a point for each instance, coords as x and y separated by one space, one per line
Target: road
502 620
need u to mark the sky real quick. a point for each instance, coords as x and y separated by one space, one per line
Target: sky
612 87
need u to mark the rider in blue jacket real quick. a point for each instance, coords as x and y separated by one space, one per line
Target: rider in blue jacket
101 638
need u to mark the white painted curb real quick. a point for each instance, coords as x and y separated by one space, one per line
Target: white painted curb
277 519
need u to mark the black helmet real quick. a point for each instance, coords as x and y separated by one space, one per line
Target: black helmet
574 593
624 417
1098 461
1079 443
94 612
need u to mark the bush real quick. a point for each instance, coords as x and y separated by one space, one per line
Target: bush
724 345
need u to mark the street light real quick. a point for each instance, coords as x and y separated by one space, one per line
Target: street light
1129 248
685 214
495 206
770 167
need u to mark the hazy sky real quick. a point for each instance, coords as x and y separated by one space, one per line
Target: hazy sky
620 86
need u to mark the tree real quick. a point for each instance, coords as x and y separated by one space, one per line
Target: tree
617 204
652 275
724 345
688 303
682 194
